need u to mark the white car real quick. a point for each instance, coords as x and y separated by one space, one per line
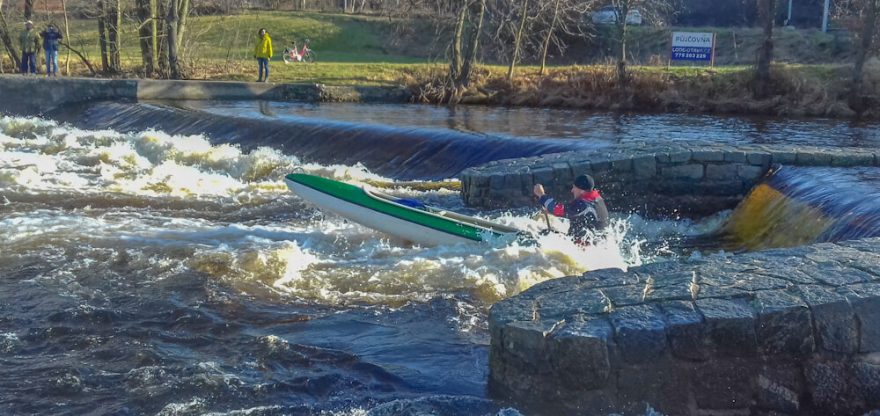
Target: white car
608 16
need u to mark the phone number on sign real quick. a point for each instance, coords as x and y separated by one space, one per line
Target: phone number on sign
702 54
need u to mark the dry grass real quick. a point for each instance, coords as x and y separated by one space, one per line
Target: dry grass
799 90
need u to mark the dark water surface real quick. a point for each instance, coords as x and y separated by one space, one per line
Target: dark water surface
153 262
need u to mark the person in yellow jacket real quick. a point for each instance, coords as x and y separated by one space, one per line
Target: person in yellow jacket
263 52
30 42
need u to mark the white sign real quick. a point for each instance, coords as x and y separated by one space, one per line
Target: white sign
693 46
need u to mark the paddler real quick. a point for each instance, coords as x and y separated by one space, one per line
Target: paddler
586 212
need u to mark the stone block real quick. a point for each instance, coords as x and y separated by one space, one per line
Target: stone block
659 387
581 167
833 274
639 332
527 342
580 354
735 156
690 171
680 157
708 156
866 372
865 301
750 173
731 324
836 327
543 175
758 158
686 330
622 165
600 166
677 285
853 159
722 172
507 311
784 324
783 157
645 166
828 384
565 305
775 396
725 384
625 295
814 158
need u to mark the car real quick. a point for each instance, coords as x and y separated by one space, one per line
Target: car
608 16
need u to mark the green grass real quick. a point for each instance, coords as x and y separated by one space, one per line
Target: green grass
355 50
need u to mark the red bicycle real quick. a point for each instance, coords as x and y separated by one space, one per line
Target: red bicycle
292 55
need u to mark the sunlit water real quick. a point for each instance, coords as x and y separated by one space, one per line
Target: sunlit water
147 273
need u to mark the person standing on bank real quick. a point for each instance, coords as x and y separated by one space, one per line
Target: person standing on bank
29 41
263 52
587 211
51 36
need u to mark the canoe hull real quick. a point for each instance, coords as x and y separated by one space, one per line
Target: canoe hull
405 223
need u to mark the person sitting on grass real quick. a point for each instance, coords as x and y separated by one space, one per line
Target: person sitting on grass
586 212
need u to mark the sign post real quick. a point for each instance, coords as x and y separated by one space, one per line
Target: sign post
694 47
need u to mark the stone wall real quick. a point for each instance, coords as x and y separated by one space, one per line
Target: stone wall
25 95
779 332
692 178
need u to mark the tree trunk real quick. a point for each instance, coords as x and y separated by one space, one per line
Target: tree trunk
161 51
7 42
455 62
28 9
622 34
766 12
171 24
114 20
866 43
181 25
154 34
546 45
145 36
102 35
518 39
66 36
473 46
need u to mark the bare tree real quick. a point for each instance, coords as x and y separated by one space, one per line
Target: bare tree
649 9
517 40
171 23
7 40
102 35
766 17
145 35
565 17
66 36
862 18
28 9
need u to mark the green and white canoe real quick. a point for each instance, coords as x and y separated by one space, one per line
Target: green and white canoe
422 225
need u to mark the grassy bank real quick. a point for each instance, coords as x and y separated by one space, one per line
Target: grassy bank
799 90
358 50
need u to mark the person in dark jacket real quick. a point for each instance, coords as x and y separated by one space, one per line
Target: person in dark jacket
51 37
587 211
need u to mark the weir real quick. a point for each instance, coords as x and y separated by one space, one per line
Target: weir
783 331
398 152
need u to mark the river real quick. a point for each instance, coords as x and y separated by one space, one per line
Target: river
154 262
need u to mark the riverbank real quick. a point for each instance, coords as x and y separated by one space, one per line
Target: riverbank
799 90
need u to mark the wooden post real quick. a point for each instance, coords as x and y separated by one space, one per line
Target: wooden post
714 37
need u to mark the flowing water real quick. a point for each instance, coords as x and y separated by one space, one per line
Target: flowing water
804 205
160 266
